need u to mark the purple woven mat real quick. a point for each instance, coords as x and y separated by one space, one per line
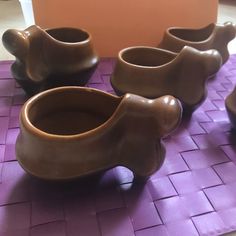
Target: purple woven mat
194 193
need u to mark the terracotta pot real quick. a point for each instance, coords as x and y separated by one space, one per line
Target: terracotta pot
70 132
50 58
118 24
230 104
153 72
213 36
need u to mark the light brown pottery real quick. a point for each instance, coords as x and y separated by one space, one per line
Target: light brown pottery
152 72
69 132
213 36
50 58
230 104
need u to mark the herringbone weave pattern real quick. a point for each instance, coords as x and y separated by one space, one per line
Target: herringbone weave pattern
194 193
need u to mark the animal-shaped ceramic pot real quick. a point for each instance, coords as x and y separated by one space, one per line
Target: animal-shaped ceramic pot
230 105
50 58
213 36
69 132
152 72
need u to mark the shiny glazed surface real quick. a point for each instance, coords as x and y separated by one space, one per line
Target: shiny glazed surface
70 132
213 36
50 58
153 72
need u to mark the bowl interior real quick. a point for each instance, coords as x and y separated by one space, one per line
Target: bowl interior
69 112
194 35
148 57
68 35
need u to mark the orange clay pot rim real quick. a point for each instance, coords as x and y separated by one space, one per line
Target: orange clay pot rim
24 118
176 55
188 41
67 28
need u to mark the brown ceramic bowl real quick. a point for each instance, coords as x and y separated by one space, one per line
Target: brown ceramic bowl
50 58
152 72
213 36
230 104
69 132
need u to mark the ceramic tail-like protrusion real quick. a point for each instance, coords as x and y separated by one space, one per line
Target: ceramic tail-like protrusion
212 61
199 66
230 30
152 119
15 41
224 34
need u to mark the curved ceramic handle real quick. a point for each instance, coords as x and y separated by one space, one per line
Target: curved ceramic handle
16 42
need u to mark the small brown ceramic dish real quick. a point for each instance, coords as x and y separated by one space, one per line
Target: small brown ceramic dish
50 58
213 36
69 132
230 104
152 72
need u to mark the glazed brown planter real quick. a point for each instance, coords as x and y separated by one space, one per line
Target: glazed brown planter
70 132
213 36
50 58
230 104
152 72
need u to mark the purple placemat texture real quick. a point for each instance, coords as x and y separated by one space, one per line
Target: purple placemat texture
194 193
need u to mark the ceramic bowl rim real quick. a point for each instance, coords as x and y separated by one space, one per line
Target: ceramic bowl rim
88 39
187 28
25 121
120 57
